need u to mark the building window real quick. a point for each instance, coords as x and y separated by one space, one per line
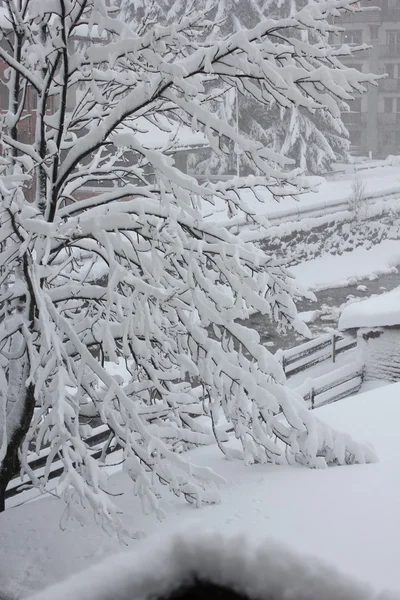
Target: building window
352 36
355 138
333 38
355 105
389 69
393 42
388 105
374 29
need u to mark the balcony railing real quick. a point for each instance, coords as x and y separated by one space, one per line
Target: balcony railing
391 14
389 50
389 85
389 118
351 118
371 15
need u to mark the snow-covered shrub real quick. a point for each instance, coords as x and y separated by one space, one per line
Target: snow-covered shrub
106 260
358 203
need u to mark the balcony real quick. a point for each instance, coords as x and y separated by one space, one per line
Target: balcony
389 50
389 118
352 118
391 15
370 15
389 85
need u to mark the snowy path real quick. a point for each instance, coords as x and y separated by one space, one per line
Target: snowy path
348 516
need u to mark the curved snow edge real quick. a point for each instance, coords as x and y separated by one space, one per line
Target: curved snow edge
161 565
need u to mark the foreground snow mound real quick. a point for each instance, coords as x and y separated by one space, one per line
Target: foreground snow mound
180 563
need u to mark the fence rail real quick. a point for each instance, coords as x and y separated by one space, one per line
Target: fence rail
332 387
316 392
315 351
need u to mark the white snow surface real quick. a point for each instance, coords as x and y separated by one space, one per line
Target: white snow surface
381 179
346 516
330 270
265 571
378 311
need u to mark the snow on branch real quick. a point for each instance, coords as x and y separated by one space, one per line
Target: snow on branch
119 301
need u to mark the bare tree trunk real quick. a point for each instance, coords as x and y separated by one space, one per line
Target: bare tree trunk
3 487
11 465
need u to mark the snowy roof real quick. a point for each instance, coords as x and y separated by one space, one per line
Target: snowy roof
379 311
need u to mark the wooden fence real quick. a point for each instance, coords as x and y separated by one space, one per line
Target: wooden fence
325 347
37 462
316 392
333 386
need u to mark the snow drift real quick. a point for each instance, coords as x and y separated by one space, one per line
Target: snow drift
162 567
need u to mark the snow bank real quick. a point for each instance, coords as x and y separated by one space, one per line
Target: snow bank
158 568
330 271
379 311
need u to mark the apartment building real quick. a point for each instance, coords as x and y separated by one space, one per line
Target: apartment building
374 118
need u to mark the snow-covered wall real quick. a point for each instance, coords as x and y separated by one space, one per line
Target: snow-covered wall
381 353
308 238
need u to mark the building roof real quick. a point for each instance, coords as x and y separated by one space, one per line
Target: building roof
379 311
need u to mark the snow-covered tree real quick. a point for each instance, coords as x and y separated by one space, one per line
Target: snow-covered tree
105 257
313 140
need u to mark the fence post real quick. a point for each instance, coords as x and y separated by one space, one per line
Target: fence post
334 347
312 396
280 356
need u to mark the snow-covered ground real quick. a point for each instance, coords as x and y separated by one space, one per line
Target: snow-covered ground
330 271
348 516
380 180
379 311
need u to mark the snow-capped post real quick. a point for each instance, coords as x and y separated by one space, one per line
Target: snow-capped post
312 397
333 346
113 262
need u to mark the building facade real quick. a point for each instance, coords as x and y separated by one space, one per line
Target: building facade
374 118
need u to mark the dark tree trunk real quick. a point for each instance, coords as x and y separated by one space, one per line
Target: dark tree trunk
3 488
10 466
